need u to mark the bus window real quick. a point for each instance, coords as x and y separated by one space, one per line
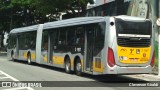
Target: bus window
12 41
33 40
45 41
80 36
62 37
22 41
71 36
99 38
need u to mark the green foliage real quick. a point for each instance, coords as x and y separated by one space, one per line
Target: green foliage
156 53
19 13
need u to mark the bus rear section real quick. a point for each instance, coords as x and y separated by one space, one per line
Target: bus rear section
131 47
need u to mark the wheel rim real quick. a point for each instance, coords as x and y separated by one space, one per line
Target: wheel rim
79 67
29 60
67 66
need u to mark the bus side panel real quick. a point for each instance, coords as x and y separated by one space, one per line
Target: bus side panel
110 42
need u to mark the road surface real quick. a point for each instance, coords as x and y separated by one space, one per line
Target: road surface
21 71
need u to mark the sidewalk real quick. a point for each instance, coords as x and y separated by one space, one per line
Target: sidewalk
146 77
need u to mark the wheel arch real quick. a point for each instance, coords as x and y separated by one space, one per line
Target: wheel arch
65 58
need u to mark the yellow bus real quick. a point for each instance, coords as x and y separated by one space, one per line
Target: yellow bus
93 45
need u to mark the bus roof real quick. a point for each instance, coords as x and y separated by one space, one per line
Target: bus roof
131 18
25 29
73 21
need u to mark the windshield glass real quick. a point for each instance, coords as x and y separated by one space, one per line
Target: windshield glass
130 27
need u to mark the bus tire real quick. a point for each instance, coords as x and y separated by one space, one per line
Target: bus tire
29 59
78 67
67 65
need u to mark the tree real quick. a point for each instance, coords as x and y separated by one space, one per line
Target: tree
19 13
54 7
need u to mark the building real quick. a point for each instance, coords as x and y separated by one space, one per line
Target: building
140 8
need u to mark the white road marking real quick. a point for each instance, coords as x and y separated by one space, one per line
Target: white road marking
14 79
3 77
20 88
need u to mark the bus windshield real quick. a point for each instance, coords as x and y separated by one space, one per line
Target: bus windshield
133 27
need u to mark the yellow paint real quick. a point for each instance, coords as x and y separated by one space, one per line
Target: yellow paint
45 58
33 56
25 55
96 69
58 60
72 63
128 55
82 64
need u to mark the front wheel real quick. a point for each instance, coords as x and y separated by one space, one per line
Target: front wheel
78 68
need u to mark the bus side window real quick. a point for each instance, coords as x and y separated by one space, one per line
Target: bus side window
45 41
71 36
80 36
62 37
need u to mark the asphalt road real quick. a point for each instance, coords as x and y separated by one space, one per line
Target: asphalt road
21 71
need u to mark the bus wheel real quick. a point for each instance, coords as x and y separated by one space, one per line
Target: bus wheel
78 68
67 65
29 59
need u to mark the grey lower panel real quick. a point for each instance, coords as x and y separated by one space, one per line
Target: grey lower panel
134 70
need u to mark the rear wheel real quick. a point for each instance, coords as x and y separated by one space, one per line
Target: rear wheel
78 68
67 65
29 59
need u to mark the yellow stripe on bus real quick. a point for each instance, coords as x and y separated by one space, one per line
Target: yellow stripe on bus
45 58
33 56
58 60
25 55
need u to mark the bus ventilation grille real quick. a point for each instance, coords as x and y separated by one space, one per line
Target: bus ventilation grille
134 42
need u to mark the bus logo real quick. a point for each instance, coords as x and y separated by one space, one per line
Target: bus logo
144 54
138 51
123 50
131 51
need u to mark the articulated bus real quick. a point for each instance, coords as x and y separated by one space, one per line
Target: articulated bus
92 45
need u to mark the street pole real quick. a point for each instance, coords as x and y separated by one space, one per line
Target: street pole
159 40
78 8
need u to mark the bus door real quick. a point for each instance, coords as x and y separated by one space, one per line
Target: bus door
17 47
89 46
45 45
53 45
